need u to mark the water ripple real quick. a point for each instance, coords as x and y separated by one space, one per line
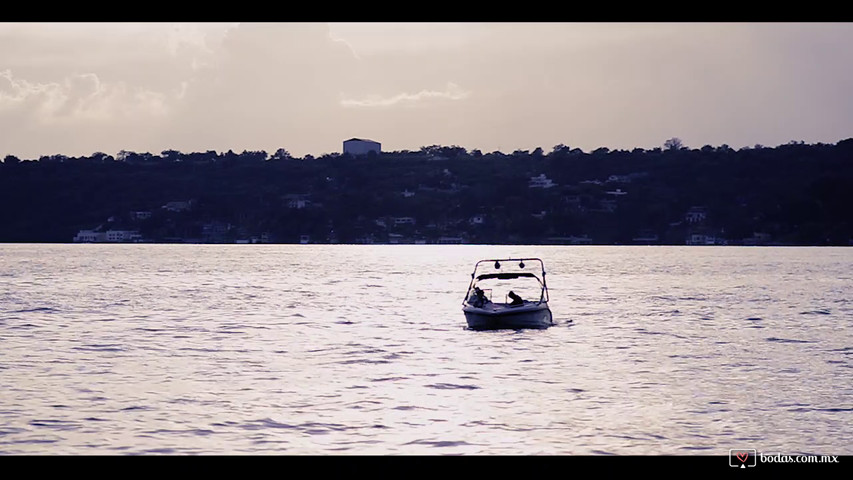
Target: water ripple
451 386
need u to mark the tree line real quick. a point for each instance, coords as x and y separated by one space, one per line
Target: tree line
791 194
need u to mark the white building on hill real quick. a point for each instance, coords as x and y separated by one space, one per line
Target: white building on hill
541 181
361 146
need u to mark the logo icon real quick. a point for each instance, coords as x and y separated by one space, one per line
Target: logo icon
742 458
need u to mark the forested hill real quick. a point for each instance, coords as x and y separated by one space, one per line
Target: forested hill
792 194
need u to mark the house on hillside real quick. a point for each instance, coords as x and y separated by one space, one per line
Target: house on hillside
540 181
361 146
696 214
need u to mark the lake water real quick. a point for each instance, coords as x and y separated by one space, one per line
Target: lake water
345 349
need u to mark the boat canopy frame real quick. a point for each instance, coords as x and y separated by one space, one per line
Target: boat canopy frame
508 275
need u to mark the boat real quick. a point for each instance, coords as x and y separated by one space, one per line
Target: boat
507 293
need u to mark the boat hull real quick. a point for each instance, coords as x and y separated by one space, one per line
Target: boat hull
495 317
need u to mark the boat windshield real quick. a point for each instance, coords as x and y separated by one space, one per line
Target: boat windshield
497 278
497 289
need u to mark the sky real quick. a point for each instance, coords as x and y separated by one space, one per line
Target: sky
80 88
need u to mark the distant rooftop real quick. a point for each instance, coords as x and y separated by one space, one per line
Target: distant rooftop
354 139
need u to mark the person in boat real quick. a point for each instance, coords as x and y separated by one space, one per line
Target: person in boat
478 298
516 300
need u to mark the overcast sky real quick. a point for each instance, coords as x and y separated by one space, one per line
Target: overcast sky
80 88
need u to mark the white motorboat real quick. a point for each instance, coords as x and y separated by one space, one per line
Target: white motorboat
507 293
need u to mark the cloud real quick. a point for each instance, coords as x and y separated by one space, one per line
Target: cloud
184 86
78 115
452 92
77 98
267 84
78 88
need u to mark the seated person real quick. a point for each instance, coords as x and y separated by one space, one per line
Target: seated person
478 298
516 300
